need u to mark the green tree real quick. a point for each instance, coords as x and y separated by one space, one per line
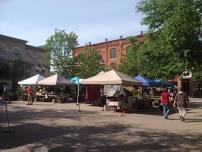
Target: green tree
149 59
59 51
173 43
130 63
88 63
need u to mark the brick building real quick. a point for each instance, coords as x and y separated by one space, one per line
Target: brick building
19 60
111 52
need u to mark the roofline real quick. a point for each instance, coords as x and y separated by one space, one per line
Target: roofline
35 47
12 38
108 41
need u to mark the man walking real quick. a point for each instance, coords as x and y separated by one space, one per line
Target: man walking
181 101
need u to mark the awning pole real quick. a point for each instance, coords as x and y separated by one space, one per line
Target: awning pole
77 99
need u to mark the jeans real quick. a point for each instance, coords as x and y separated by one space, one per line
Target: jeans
166 110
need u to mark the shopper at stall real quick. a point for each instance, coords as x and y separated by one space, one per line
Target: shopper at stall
30 95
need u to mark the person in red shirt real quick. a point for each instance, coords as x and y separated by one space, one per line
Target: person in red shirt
164 102
29 93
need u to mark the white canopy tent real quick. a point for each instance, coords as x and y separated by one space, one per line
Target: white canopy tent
55 80
101 72
32 80
111 77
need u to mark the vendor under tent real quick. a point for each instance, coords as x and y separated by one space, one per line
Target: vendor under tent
55 80
111 77
32 80
146 82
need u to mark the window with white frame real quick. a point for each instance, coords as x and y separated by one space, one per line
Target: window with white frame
113 53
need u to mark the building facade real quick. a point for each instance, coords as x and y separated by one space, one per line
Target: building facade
19 61
111 52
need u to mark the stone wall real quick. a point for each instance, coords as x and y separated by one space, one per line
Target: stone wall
18 60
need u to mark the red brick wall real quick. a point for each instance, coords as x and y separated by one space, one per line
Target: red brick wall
105 47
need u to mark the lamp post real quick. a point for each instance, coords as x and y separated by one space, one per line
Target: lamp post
77 99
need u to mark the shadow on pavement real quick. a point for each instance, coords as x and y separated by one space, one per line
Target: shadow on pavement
193 120
154 111
22 114
195 105
106 136
145 141
37 133
91 138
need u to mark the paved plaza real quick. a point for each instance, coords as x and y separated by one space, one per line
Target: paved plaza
52 127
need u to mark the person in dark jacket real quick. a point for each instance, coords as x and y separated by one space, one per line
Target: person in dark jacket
181 101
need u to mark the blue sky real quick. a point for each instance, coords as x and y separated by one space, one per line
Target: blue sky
91 20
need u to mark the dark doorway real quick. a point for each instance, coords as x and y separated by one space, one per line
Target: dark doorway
198 89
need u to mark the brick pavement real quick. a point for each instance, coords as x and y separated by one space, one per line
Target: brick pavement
60 127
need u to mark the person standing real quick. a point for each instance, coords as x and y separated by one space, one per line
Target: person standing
181 101
29 93
164 102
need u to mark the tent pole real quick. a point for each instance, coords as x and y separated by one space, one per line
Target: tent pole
9 128
104 107
77 99
122 110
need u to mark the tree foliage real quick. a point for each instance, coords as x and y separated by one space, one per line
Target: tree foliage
173 43
59 51
88 63
178 23
131 62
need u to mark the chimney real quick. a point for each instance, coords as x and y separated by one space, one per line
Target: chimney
121 37
106 40
141 32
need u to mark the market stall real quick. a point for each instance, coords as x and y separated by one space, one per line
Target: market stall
56 80
112 78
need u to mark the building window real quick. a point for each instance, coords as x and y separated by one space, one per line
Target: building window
113 53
